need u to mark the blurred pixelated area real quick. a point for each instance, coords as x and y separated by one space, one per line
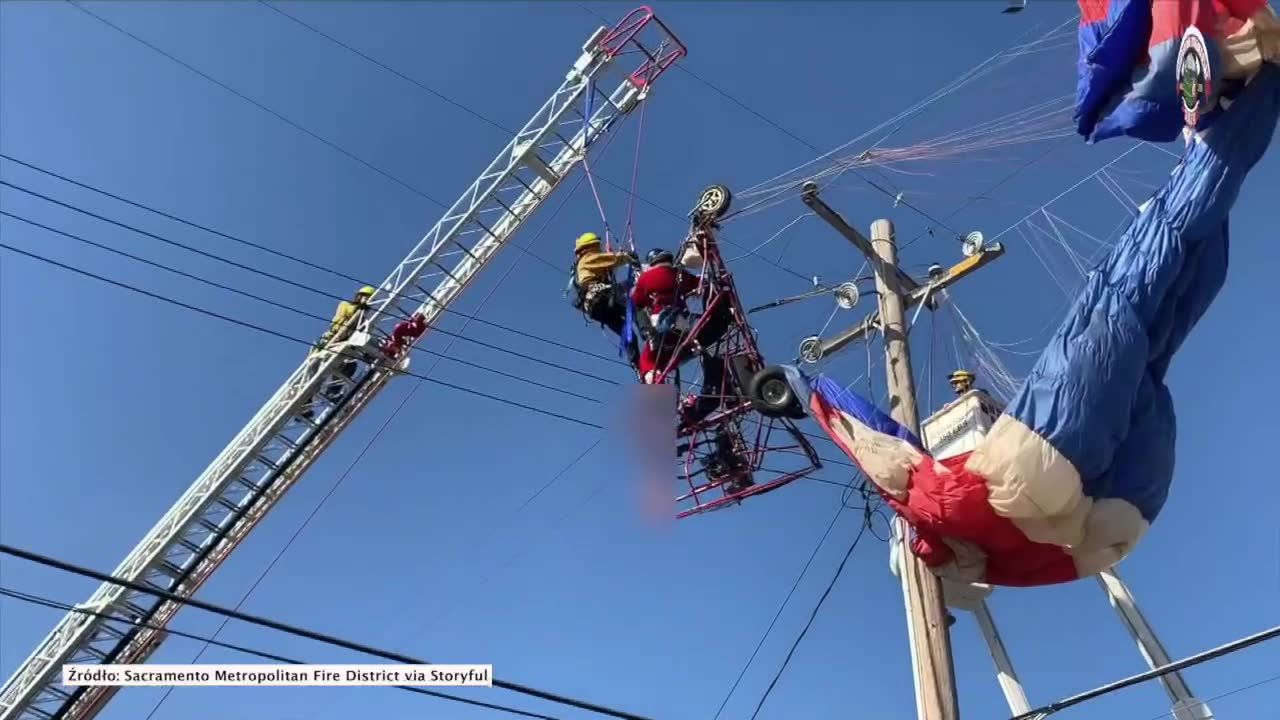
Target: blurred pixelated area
643 430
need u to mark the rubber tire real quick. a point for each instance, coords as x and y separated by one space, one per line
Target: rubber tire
785 405
719 209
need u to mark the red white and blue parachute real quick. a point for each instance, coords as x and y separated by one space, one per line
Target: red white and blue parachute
1136 55
1078 466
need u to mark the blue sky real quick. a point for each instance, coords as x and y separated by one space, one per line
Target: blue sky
112 403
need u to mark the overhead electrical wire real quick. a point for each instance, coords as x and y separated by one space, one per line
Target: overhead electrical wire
294 258
295 630
285 336
1177 666
794 586
368 445
263 273
681 217
42 601
279 116
630 192
1243 688
320 318
300 341
812 616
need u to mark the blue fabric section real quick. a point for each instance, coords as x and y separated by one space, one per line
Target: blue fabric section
628 329
1097 392
1118 93
1109 52
848 402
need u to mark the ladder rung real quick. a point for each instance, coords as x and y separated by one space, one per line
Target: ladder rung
169 569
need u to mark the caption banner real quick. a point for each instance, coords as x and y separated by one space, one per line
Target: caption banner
279 675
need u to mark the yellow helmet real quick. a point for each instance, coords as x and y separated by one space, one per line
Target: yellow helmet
961 375
586 240
366 291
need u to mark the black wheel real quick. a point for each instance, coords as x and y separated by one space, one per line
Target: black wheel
715 202
772 396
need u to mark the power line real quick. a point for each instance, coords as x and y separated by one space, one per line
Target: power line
300 341
821 541
1229 693
313 316
630 192
368 445
299 260
263 273
260 106
1045 711
812 616
284 336
296 630
33 599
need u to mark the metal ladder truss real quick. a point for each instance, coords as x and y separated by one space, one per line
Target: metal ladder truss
331 387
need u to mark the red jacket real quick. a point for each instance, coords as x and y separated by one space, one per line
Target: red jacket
658 288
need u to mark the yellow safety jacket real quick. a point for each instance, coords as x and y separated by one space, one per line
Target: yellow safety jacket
595 267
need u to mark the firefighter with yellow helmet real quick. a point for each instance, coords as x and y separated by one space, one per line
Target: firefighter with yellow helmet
595 291
346 317
961 381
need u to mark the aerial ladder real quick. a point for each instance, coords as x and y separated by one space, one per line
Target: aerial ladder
609 80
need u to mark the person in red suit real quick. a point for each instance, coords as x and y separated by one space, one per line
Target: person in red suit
659 292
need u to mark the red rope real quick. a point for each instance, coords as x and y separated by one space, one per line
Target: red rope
635 181
608 233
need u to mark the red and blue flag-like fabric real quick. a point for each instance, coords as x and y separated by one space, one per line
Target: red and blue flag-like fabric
1080 463
1129 73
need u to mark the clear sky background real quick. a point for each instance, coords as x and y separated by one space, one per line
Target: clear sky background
112 403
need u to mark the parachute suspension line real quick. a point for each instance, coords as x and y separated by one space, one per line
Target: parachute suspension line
628 329
1003 383
635 180
982 69
586 167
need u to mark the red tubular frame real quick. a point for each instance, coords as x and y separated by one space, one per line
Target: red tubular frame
668 51
716 287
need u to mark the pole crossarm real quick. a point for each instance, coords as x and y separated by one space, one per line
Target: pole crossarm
809 194
910 299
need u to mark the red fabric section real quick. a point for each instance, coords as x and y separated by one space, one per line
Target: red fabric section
945 500
656 288
1215 19
1092 11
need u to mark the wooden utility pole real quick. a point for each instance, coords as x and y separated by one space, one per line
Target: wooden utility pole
926 611
927 617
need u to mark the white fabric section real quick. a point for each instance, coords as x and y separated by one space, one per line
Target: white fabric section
1255 43
1112 529
1031 484
885 459
968 565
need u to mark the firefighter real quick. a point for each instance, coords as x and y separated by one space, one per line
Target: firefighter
344 322
596 293
961 381
345 318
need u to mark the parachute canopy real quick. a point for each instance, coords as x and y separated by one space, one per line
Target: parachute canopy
1145 65
1079 464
